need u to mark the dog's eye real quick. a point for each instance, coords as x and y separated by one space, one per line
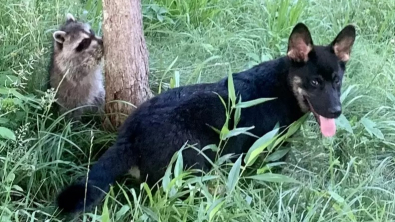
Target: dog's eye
337 81
314 82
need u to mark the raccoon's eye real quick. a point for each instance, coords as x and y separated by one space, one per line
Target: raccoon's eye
83 45
314 82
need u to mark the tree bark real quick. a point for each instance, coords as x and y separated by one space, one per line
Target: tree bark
126 58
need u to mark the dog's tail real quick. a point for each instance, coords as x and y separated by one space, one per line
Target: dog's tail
87 192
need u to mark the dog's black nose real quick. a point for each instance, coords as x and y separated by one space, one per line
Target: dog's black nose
335 111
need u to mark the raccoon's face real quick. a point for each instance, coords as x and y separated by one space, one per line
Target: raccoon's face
76 44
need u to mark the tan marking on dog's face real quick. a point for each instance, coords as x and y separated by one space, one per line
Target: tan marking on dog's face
135 172
299 93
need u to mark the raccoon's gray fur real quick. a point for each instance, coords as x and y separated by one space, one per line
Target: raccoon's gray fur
76 69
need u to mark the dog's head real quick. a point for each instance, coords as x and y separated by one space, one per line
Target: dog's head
316 73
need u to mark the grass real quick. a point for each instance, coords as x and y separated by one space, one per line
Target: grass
347 178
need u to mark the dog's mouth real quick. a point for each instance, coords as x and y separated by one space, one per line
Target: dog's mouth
327 125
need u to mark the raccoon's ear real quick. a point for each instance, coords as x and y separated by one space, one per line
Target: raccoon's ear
343 43
59 36
300 43
70 17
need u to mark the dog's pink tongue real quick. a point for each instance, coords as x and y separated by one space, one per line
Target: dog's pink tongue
328 126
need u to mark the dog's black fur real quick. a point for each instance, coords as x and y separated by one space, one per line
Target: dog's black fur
309 76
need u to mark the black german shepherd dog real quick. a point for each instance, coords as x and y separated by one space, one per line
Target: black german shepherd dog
309 78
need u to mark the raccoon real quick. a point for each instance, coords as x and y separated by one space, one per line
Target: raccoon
76 69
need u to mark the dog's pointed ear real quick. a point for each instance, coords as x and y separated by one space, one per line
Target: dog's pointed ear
343 43
70 17
300 43
59 36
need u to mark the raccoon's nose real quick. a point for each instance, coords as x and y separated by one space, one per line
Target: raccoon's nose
100 41
335 111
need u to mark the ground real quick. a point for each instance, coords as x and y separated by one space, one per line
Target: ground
347 178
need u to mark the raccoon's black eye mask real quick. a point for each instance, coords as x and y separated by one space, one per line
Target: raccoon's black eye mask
84 44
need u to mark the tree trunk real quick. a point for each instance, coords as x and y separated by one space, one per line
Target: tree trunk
126 59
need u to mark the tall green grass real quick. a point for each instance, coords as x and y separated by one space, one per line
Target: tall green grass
346 178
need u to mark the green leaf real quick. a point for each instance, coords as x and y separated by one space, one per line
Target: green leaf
272 177
159 17
18 188
341 201
278 154
231 89
352 100
208 47
148 191
178 168
177 180
224 158
222 100
268 166
166 178
177 78
200 179
215 129
370 127
251 64
4 120
252 102
265 57
172 83
224 131
390 96
212 147
162 10
7 133
291 130
254 56
18 95
4 90
296 125
343 123
238 131
259 145
105 216
167 70
377 133
121 212
336 197
214 208
237 114
234 175
150 213
10 177
346 92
